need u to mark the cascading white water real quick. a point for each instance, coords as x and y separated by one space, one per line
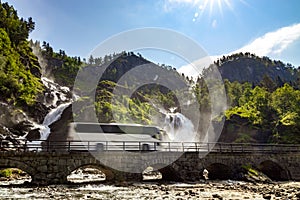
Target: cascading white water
179 128
55 93
50 118
44 128
56 98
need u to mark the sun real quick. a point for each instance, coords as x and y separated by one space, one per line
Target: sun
213 8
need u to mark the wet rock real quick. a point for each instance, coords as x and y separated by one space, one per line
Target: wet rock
267 196
14 124
4 132
3 179
38 111
254 176
33 134
192 193
22 128
217 196
14 141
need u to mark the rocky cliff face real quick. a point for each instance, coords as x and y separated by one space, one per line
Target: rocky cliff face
25 123
253 69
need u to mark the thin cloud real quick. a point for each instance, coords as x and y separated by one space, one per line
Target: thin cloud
195 69
273 43
270 44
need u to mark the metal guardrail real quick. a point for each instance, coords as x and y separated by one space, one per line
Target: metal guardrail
78 146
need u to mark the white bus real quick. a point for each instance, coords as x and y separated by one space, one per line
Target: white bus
113 136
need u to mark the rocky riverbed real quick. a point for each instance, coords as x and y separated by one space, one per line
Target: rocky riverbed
158 190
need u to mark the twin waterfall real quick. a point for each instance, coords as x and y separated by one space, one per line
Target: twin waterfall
178 127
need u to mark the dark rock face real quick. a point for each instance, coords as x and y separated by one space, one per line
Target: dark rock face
14 121
237 129
33 134
21 128
245 69
13 124
9 141
38 111
20 121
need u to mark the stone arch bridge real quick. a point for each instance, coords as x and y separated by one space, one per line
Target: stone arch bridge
223 162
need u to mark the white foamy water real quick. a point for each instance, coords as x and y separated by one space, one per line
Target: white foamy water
56 94
179 128
81 176
51 117
210 190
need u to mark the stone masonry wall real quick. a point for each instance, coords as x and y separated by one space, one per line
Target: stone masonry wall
52 168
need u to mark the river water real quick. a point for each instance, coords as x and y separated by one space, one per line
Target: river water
156 190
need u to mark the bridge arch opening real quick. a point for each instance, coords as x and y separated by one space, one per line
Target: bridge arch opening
15 172
13 176
219 171
273 170
161 172
89 173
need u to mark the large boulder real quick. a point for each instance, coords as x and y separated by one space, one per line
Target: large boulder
33 134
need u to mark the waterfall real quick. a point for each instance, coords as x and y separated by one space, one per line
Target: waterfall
44 128
179 128
50 118
57 94
54 93
57 99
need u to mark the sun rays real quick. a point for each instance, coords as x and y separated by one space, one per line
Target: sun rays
212 8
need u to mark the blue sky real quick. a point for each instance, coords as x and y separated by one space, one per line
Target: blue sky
266 27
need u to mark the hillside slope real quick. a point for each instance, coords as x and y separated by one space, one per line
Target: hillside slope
250 68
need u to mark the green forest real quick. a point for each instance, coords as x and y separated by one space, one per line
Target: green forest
264 109
19 67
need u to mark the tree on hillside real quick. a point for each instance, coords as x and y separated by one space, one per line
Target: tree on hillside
91 60
268 83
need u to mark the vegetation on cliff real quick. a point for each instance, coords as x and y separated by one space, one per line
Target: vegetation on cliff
247 67
57 65
135 108
264 111
19 68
